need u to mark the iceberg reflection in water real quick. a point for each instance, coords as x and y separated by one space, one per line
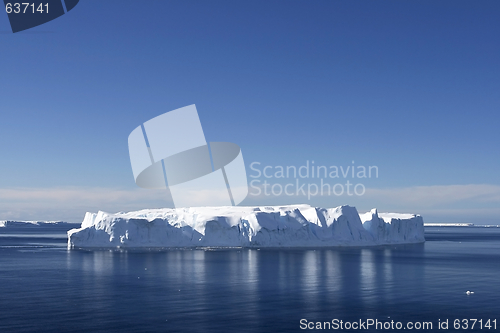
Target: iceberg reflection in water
246 290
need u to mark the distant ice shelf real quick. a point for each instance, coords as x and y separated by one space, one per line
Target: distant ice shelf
278 226
448 224
34 224
472 225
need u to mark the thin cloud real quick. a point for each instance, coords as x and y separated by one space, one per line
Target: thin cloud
70 204
438 195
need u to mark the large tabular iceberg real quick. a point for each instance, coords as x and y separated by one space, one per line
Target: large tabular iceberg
284 226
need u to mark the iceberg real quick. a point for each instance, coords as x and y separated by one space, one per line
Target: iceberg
257 227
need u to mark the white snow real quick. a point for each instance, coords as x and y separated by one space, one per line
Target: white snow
278 226
389 216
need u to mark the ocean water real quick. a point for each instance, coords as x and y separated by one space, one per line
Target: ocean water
46 288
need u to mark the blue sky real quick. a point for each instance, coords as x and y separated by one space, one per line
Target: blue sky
409 86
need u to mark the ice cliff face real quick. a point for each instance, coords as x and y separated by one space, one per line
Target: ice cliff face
390 228
285 226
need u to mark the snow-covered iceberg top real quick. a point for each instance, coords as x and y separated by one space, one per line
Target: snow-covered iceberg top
278 226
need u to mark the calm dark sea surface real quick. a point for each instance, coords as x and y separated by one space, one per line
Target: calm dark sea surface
46 288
